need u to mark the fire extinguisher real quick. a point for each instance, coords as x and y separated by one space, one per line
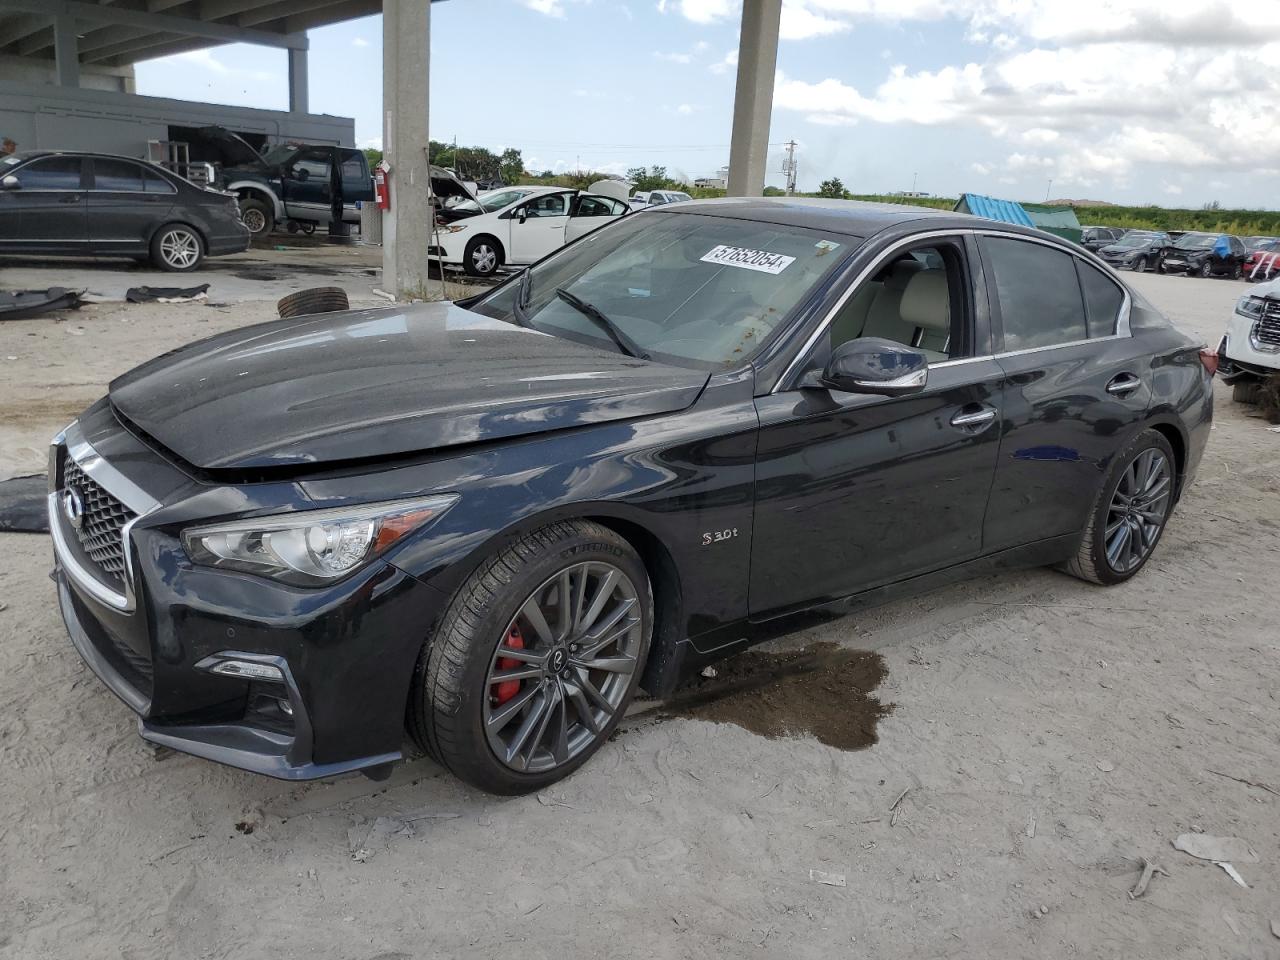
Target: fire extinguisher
381 185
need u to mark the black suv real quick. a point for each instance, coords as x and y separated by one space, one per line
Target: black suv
1205 255
1091 238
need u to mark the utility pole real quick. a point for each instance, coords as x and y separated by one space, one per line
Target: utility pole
789 167
1048 189
914 178
753 97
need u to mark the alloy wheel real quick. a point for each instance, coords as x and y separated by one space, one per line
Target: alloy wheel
254 220
180 248
1138 510
1140 266
484 258
563 667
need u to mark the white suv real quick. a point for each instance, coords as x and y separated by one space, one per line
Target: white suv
1250 351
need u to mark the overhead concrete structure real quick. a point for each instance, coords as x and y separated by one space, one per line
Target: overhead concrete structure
753 98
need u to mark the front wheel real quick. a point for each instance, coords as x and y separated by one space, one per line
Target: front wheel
1237 272
1140 265
257 215
176 248
1129 513
1206 270
536 659
1246 391
482 257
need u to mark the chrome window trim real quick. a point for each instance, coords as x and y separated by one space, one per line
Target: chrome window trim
120 487
1123 328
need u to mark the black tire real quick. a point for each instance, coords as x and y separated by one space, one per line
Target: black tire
1237 272
1246 391
482 257
316 300
177 248
308 227
1160 266
1206 270
1140 265
450 695
1091 562
258 216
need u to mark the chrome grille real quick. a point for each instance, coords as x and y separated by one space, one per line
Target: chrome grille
1266 329
101 532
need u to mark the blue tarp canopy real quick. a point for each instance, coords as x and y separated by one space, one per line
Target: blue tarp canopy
1006 211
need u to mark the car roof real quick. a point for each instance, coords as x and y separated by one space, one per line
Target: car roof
853 217
35 154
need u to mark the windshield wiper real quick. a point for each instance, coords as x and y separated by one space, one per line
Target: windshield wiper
523 291
624 342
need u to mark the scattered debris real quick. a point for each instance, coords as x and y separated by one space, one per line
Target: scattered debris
1230 921
549 801
167 294
1217 849
893 807
709 673
1038 913
1148 869
365 839
830 879
250 820
20 304
769 791
23 505
1249 783
1233 873
1106 766
1031 825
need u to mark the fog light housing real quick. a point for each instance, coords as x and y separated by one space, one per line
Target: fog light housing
247 669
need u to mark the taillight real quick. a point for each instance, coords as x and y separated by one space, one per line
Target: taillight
1209 360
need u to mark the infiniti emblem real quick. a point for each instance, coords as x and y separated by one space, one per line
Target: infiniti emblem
73 507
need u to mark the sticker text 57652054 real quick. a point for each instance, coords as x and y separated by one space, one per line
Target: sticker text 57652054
747 259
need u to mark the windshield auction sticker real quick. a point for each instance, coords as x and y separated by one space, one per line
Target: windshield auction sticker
761 260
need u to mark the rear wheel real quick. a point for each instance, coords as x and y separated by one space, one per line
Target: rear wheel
536 659
177 248
1129 513
1237 272
1246 391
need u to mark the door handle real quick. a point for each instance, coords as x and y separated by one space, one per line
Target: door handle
974 417
70 199
1123 384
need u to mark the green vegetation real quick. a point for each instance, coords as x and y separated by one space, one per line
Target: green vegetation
1243 223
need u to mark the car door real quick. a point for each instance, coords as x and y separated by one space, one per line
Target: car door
46 208
122 212
1075 385
537 227
854 491
589 211
357 184
306 185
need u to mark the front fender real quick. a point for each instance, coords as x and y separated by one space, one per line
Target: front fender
257 186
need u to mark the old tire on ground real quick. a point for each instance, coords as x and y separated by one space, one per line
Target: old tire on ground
316 300
483 257
1130 512
258 216
535 660
177 248
1246 391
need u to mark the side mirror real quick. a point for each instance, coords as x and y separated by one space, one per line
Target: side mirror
10 183
873 365
300 175
523 214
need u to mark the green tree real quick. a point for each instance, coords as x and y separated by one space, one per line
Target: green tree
832 188
373 156
651 178
510 165
774 192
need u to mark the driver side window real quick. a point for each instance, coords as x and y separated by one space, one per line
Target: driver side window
553 205
311 165
916 299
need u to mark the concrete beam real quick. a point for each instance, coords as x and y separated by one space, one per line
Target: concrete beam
20 28
282 9
65 52
110 36
347 10
126 48
298 81
40 40
157 22
753 97
155 6
407 227
220 9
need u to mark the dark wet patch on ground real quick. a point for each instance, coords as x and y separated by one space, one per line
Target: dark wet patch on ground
823 691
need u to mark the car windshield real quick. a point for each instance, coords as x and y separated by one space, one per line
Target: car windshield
490 202
1134 240
1195 241
694 290
279 153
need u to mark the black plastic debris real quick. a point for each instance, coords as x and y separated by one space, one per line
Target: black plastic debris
166 294
22 505
20 304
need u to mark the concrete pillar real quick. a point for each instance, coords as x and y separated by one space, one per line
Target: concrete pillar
66 51
298 81
753 98
407 226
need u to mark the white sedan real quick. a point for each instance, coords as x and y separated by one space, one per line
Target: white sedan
513 226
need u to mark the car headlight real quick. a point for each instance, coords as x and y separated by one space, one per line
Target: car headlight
454 228
311 547
1250 307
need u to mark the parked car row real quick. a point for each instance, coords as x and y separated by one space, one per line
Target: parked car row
1193 253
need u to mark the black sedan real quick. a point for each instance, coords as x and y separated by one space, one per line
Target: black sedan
1137 250
91 204
1205 255
498 518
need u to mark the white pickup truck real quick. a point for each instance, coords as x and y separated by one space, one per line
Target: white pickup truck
1250 349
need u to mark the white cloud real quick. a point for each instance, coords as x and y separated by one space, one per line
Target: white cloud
799 22
552 8
674 57
727 63
685 109
1173 189
701 46
705 11
359 42
981 169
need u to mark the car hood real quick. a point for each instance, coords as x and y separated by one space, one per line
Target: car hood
383 382
1113 250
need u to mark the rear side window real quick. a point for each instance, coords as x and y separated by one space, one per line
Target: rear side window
152 182
117 175
1038 293
1102 300
51 173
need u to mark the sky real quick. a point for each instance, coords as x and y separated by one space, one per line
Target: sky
1172 102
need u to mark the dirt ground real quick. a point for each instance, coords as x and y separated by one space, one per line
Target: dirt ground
1048 734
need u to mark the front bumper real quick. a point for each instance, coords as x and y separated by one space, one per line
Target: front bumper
1239 358
346 652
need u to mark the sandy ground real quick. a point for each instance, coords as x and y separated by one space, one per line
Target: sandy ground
1049 733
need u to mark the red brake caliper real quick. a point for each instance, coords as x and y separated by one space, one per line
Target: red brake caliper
506 689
